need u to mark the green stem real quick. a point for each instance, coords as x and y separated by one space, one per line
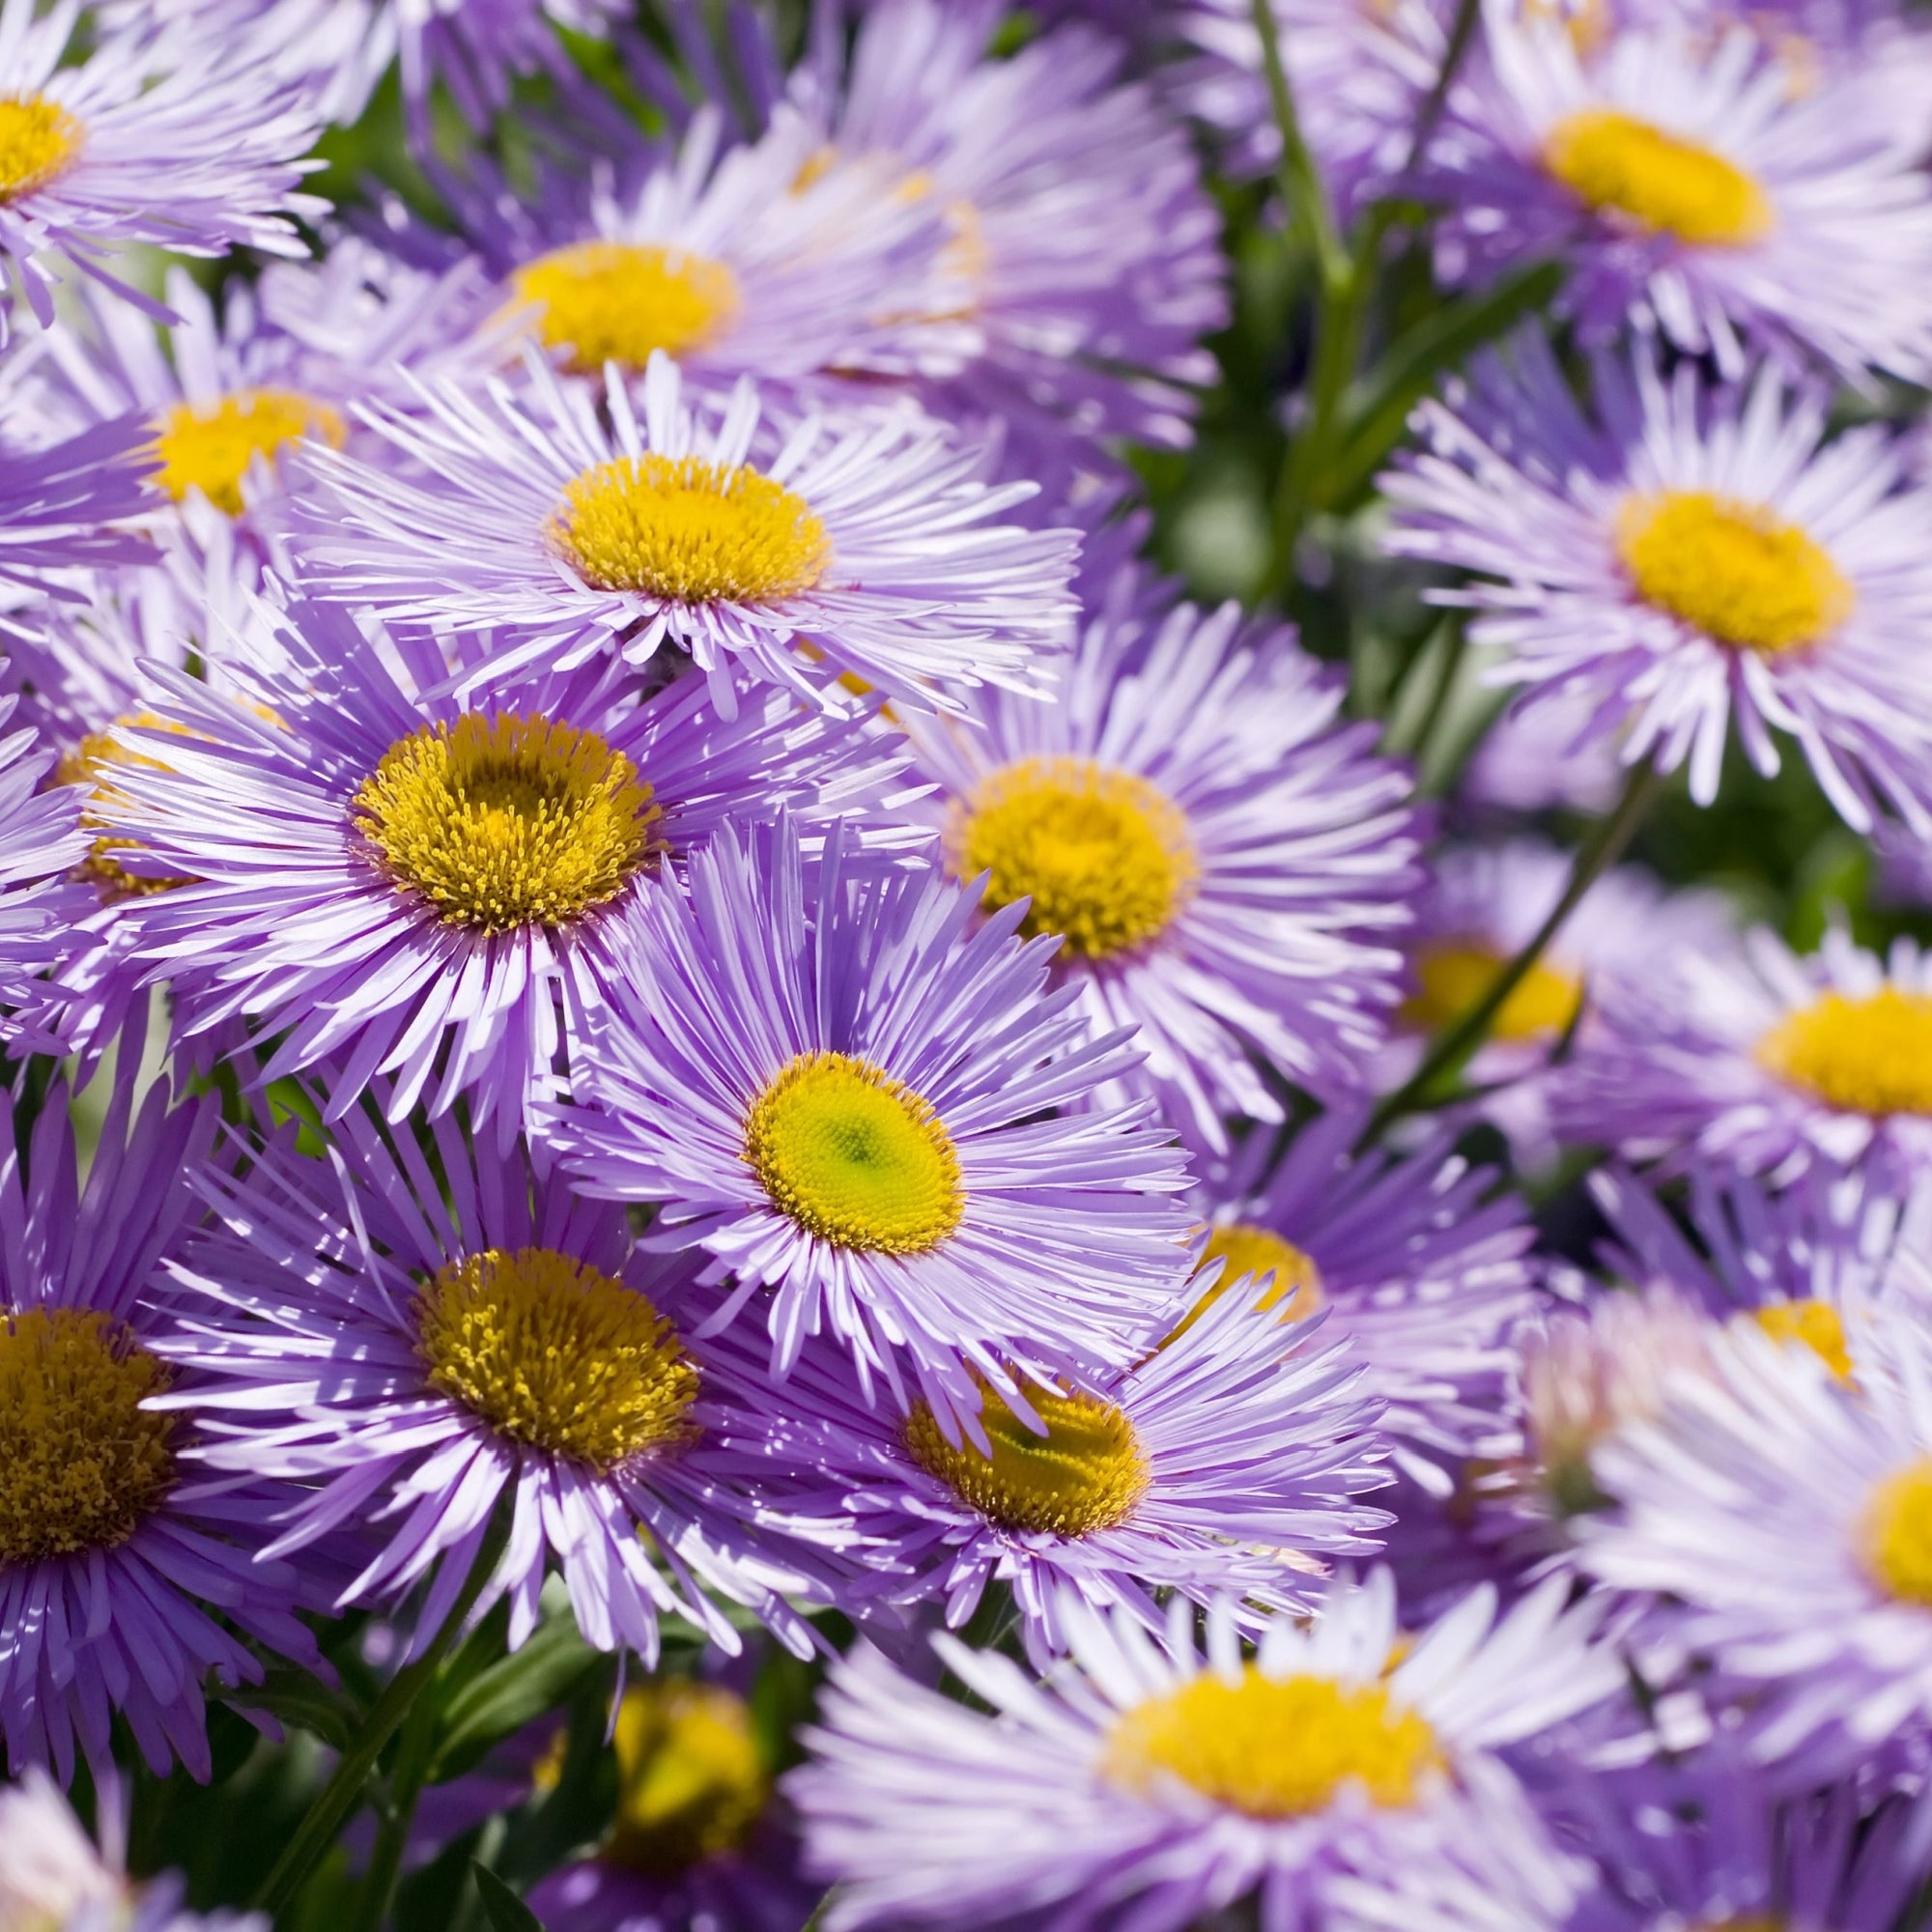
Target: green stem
1453 643
414 1751
1454 1047
1302 195
1429 117
819 1910
343 1792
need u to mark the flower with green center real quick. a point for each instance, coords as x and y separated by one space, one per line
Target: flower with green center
889 1126
620 302
1347 1772
854 1157
1102 858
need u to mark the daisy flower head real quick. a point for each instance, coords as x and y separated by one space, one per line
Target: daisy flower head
1223 861
1226 1465
409 883
1077 221
60 503
1692 190
1764 1062
1345 1775
1688 557
419 1348
1706 1840
853 1093
125 1581
761 258
1770 1451
723 1854
175 139
735 536
1483 906
1419 1261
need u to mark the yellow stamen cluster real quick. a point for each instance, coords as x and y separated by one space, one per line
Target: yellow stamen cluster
1732 570
855 1156
1275 1747
1898 1533
39 141
689 531
1861 1053
691 1780
1808 1323
1244 1249
81 1461
1087 1473
1657 181
88 764
210 447
506 821
1451 976
1105 857
551 1352
619 301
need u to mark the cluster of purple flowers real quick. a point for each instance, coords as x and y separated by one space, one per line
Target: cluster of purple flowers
664 1001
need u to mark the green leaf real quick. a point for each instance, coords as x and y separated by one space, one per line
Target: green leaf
505 1910
294 1697
501 1700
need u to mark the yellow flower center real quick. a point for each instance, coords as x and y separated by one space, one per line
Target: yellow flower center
1245 1249
211 448
1104 857
1450 977
1864 1053
1619 164
1732 570
617 301
1898 1533
507 821
81 1461
855 1156
550 1352
87 764
39 140
1808 1323
1086 1473
691 1780
690 530
1273 1748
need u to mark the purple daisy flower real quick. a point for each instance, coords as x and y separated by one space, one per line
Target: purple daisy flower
1689 558
174 138
57 504
1768 1452
1762 1060
868 539
115 1562
1703 1841
849 1089
40 909
391 878
1691 189
1225 1465
416 1351
1419 1261
1342 1777
1223 862
1090 252
699 1839
772 259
